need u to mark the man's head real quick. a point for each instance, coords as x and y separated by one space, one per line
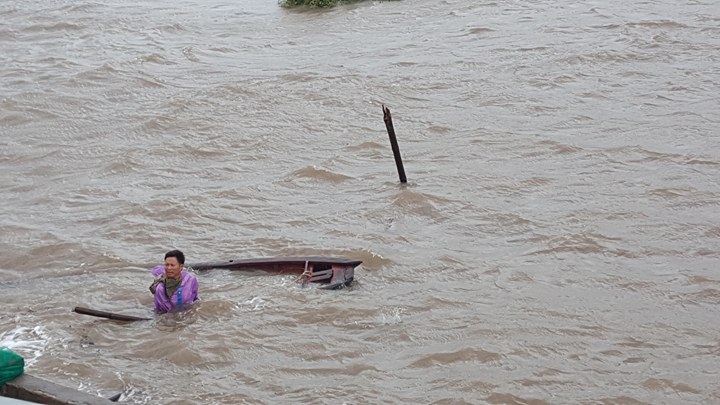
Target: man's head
174 261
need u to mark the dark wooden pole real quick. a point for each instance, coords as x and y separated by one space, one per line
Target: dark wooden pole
108 315
393 142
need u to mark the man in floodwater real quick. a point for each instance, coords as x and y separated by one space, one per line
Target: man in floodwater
172 286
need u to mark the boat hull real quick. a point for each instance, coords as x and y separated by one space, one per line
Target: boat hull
334 272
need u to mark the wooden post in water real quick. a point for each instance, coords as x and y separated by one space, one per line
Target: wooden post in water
393 142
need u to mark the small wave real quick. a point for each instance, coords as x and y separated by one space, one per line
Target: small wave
313 172
511 220
190 54
536 181
464 355
14 120
542 382
531 49
55 27
405 64
498 399
701 280
669 386
707 295
563 79
298 77
642 155
7 34
208 150
634 285
620 400
420 203
607 26
584 243
667 194
170 28
634 73
151 83
657 24
222 49
101 73
604 57
479 30
154 58
255 303
701 162
370 260
367 146
123 164
636 343
157 123
561 148
440 129
393 317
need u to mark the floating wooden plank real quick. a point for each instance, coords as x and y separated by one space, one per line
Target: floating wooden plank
108 315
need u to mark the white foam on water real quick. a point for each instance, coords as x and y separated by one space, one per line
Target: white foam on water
30 343
257 303
394 316
128 391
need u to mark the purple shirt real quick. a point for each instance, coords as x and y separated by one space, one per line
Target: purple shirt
185 294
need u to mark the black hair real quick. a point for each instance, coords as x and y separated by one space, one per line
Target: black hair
176 254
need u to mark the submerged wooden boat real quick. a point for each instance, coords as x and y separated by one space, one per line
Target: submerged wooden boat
333 272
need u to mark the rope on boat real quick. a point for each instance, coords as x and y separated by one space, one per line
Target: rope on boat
306 275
